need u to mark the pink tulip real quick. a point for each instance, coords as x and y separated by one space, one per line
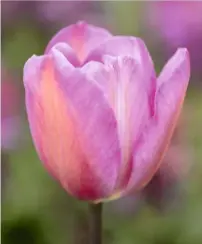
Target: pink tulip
100 119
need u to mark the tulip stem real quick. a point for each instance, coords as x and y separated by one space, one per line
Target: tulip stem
95 223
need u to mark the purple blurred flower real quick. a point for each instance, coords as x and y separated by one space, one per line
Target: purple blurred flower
51 14
15 11
179 24
65 12
9 11
10 106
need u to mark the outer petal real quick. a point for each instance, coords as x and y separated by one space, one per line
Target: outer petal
81 37
121 81
96 127
41 97
77 141
152 145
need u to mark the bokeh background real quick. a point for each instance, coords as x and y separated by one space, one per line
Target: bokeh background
35 209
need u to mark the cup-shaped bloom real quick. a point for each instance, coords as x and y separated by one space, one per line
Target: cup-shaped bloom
100 119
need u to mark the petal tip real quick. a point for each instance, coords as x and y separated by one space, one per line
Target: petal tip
183 52
31 67
81 23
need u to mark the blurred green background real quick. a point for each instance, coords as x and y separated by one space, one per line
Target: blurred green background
35 209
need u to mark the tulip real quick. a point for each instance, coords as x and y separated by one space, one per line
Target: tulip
100 119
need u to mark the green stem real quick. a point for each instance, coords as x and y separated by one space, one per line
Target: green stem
95 223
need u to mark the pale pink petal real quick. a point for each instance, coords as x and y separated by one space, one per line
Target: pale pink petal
134 47
124 45
81 37
72 125
68 52
122 82
152 145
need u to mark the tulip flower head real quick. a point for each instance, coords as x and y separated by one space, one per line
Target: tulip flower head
100 119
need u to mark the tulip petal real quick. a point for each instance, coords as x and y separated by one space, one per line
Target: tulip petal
73 127
152 144
96 126
125 46
40 89
134 47
81 37
68 52
121 81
